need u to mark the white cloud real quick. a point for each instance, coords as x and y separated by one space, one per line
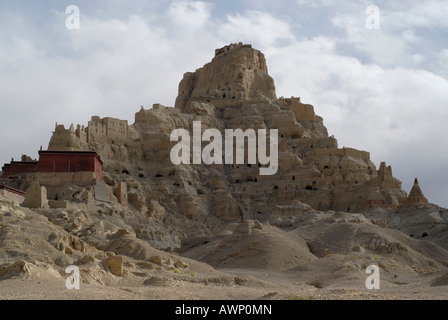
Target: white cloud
380 46
442 62
259 28
404 35
389 102
191 14
396 114
424 14
319 3
410 36
108 68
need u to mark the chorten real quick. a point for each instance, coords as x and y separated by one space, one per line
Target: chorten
416 195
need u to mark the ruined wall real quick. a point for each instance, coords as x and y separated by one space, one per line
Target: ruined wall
107 130
115 128
96 130
121 192
302 112
35 196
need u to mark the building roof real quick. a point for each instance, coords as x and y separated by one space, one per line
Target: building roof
67 152
91 153
20 162
7 188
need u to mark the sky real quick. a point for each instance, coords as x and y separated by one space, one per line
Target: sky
378 78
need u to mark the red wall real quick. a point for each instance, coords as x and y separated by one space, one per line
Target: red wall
70 162
98 169
58 162
15 168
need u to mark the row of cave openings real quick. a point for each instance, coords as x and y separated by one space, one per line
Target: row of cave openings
237 181
126 171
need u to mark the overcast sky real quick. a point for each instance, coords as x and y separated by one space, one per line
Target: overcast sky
381 90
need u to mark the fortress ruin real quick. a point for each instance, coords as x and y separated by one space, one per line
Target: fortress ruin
233 91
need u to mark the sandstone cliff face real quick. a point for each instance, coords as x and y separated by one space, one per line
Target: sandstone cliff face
237 73
234 91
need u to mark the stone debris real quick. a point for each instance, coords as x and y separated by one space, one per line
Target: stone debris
18 268
114 265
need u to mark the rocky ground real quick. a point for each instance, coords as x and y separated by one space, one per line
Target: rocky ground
313 255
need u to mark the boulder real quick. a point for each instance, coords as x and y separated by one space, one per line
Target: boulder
114 265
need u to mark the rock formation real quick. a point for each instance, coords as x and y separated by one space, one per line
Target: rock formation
234 91
149 228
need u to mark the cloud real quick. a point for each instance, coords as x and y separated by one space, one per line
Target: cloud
372 42
397 114
388 102
107 68
190 14
409 34
318 3
442 62
424 14
259 28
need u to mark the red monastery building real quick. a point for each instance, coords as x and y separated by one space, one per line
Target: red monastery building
59 166
70 161
17 167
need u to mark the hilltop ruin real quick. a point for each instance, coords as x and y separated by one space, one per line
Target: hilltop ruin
234 91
